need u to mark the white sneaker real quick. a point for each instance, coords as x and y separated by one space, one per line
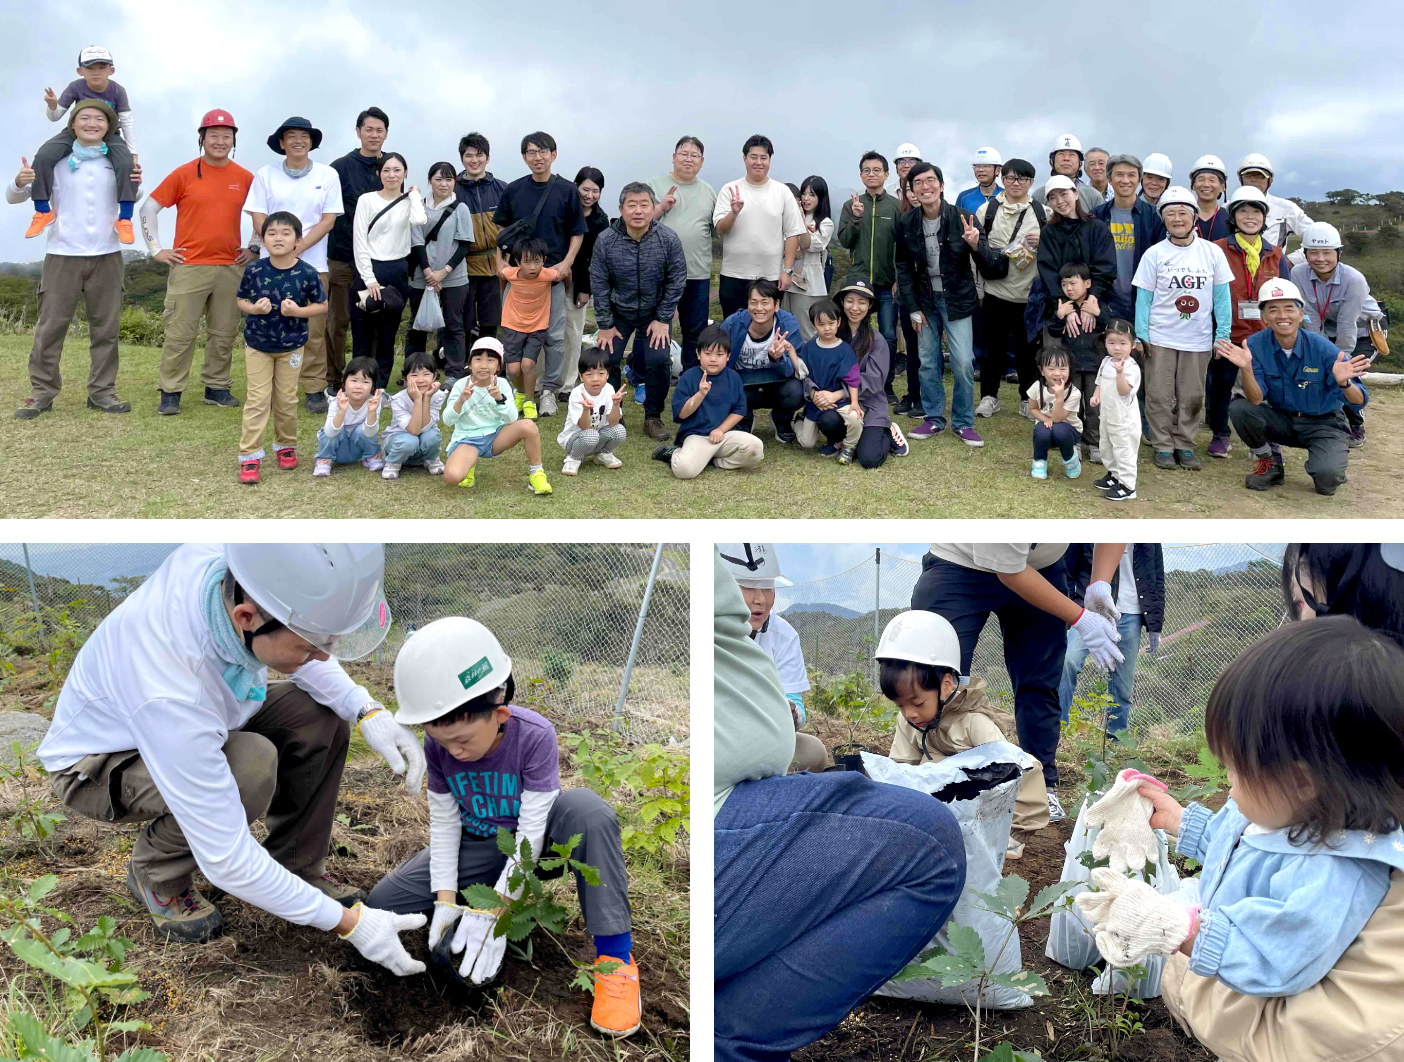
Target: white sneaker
988 407
391 470
1024 407
570 466
547 406
434 467
322 466
609 461
1055 809
373 464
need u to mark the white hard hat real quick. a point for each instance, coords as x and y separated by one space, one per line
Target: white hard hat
1160 165
907 151
987 156
753 564
921 637
445 664
1321 236
1209 162
1067 142
331 594
1058 182
1255 162
1177 195
1277 288
1250 196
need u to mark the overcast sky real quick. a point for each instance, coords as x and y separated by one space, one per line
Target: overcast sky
617 83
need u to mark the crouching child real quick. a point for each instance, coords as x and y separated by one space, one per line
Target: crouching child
708 402
594 424
351 432
830 388
413 437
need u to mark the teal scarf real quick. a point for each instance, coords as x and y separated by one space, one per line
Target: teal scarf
81 154
245 676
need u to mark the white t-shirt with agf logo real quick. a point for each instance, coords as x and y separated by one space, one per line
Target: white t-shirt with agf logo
1182 280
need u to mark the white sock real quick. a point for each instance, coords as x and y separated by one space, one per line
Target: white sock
533 468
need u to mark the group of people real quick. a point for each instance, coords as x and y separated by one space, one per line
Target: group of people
1303 884
1123 306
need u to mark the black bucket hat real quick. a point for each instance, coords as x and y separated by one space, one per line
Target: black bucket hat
861 287
294 123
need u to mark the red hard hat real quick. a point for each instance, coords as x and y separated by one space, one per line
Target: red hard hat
217 118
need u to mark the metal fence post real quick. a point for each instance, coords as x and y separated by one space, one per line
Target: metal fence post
877 610
39 624
638 633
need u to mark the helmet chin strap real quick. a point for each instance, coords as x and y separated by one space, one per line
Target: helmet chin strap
268 627
926 728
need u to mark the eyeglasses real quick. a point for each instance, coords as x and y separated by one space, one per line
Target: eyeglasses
1015 179
926 182
534 153
872 171
687 156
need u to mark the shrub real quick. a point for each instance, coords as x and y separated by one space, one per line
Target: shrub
558 666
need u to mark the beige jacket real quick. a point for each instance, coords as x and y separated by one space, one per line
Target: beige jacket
1354 1014
973 719
1014 287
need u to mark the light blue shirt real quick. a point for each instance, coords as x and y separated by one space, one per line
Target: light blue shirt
1276 917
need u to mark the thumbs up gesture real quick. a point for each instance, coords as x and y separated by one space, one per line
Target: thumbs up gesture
25 177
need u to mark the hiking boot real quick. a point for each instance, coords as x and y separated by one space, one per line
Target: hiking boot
1119 491
1039 469
1188 461
220 396
1219 446
928 429
1267 472
570 466
537 484
1072 468
1355 438
391 470
316 403
899 442
904 406
344 894
248 471
321 467
287 458
548 403
846 455
970 437
170 404
609 460
187 918
653 428
988 407
29 409
114 406
1055 808
665 454
123 228
38 223
1165 459
1105 482
528 409
616 1011
1326 484
786 436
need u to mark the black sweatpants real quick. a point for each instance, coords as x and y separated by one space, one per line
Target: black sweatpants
731 293
783 398
873 447
482 312
373 334
1218 393
1034 643
1006 341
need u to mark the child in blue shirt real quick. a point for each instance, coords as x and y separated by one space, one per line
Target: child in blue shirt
831 388
1309 721
708 402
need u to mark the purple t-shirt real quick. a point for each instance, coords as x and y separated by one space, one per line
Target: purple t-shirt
114 94
489 790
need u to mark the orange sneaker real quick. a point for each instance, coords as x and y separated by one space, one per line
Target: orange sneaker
124 231
38 223
616 1011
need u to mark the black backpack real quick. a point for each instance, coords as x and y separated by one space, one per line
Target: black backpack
998 268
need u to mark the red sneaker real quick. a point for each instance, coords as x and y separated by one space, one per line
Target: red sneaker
287 459
248 471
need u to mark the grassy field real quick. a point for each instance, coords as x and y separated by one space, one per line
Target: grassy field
266 990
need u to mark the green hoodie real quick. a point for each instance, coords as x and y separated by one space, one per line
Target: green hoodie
870 238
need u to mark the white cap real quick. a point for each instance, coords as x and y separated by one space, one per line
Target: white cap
987 156
921 637
1160 165
1209 162
445 664
489 343
1321 236
1177 195
94 53
907 151
1058 182
1277 288
1067 142
1255 161
753 564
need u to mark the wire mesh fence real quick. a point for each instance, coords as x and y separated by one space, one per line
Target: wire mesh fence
1219 598
565 613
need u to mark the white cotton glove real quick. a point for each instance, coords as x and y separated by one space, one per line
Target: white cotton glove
1133 920
376 935
482 952
1124 816
445 916
396 743
1099 599
1100 636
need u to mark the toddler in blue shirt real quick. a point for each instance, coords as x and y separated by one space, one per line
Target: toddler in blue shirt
831 388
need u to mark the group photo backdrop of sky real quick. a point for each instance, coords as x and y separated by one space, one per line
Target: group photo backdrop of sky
1315 88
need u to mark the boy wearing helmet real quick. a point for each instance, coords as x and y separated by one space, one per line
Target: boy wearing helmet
940 712
1295 383
494 765
206 261
1284 216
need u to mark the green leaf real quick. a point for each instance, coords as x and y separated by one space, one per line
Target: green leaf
126 1026
483 897
506 844
583 980
966 944
520 925
1025 981
123 997
76 972
42 887
142 1054
1008 897
949 969
1049 897
566 849
589 874
35 1042
1005 1052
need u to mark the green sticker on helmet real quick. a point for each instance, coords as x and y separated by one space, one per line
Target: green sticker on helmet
474 673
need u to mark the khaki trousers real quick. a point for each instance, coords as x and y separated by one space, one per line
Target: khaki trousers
314 355
340 279
287 763
192 292
808 430
98 279
1174 380
272 388
738 449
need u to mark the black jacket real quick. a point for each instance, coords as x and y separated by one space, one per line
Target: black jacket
637 280
595 223
957 263
1067 240
1148 563
357 175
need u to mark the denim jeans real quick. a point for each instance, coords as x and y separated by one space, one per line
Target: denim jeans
933 368
887 319
692 316
402 448
826 885
346 445
1120 682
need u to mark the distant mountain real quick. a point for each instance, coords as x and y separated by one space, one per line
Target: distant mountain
822 606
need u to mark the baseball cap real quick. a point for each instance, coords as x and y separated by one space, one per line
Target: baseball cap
94 53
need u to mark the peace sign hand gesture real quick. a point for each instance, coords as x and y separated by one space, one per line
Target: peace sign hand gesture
855 205
736 201
670 200
970 231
